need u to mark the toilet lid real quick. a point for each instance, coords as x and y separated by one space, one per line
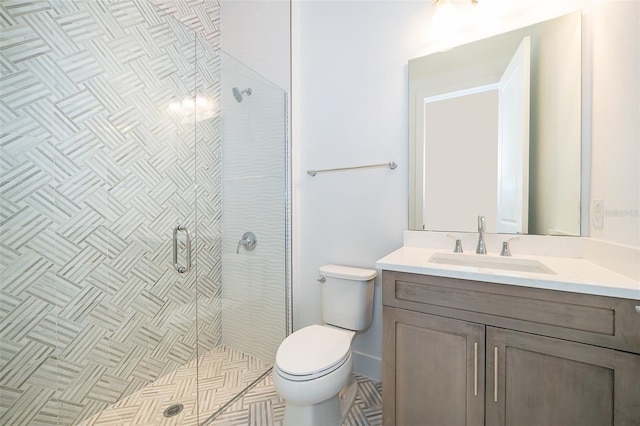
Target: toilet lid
313 349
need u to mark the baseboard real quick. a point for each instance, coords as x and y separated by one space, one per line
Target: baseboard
367 365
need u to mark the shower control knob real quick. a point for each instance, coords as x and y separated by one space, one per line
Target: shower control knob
248 241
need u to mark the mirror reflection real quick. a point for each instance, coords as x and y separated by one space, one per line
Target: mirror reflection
495 130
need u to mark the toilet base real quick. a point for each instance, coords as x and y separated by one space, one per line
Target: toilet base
331 412
320 414
346 396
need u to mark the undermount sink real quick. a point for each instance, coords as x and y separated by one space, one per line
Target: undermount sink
491 262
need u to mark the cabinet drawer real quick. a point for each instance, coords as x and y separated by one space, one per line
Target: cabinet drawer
603 321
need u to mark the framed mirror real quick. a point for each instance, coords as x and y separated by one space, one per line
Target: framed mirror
495 129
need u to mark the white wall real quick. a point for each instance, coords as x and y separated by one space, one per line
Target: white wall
256 32
616 120
349 108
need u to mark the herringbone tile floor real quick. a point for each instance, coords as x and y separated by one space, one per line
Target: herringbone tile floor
261 406
223 373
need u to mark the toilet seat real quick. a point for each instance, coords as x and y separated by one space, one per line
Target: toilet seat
307 377
313 351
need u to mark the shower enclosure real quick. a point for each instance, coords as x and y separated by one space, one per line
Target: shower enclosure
129 175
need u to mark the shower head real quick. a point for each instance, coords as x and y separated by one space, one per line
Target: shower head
238 94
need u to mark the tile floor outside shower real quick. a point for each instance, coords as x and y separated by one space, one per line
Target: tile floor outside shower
223 373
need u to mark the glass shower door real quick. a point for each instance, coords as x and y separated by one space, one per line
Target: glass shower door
151 221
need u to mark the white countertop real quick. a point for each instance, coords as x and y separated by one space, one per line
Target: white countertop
571 274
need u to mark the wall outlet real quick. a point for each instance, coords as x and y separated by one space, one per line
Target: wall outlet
597 213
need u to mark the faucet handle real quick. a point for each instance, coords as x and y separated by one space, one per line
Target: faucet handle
458 248
506 250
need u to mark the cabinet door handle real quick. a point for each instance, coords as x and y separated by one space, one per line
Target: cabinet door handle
475 369
495 374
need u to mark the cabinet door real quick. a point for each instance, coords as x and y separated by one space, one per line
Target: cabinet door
433 370
534 380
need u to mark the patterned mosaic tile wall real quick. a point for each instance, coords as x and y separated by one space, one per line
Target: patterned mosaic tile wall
99 155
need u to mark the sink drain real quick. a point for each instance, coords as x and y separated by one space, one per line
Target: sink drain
174 410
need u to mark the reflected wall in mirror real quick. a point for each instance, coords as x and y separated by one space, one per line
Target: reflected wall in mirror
485 139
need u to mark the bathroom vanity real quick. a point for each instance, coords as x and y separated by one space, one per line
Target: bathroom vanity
475 346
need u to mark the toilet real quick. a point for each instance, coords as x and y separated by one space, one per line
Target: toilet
313 371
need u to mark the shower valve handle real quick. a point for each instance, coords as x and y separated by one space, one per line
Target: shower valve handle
248 241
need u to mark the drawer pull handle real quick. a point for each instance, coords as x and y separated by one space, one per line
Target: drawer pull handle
475 369
495 374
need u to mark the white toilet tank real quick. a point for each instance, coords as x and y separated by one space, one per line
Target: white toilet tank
347 296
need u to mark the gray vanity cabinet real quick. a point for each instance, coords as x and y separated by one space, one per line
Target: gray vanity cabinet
459 352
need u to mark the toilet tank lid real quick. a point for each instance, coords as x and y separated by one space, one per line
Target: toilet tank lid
348 272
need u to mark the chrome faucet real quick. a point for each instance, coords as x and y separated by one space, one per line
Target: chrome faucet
481 249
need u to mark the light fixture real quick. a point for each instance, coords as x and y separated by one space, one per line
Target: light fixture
446 22
200 108
445 1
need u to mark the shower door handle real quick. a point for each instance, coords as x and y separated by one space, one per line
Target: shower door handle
181 269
